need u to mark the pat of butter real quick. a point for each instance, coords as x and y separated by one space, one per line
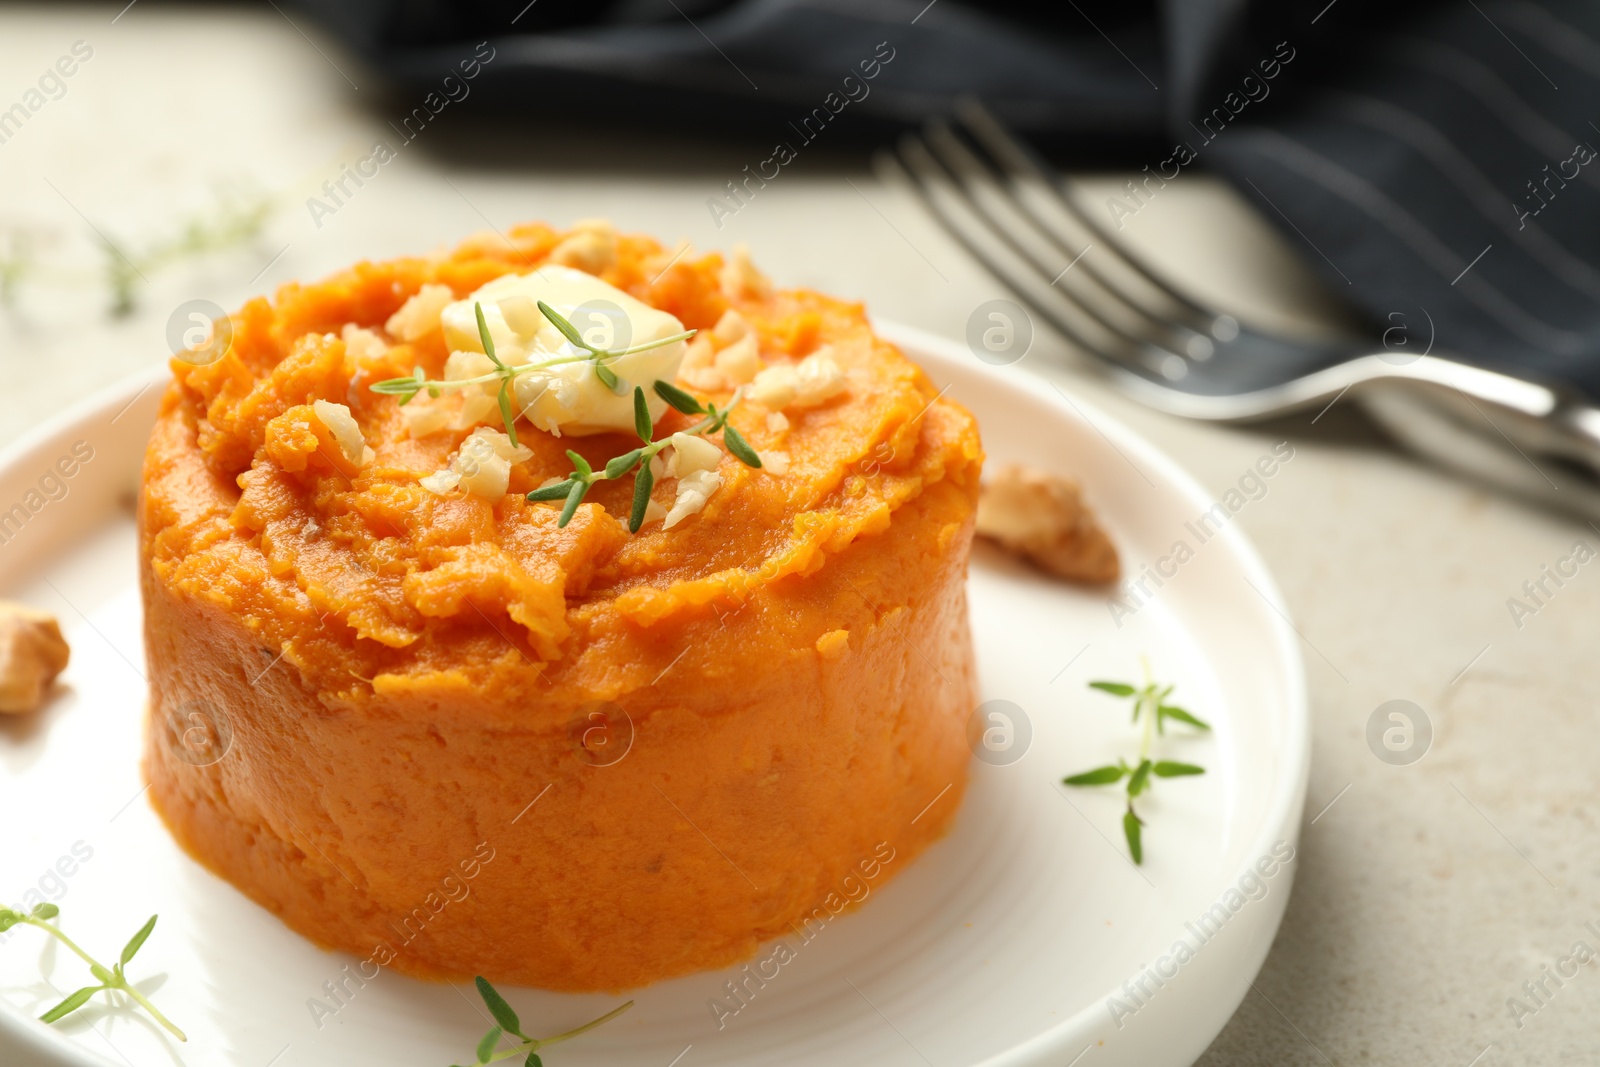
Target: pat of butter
570 398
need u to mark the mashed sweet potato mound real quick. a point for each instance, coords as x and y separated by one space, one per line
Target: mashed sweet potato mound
450 737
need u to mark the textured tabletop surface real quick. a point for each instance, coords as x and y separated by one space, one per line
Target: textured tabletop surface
1427 895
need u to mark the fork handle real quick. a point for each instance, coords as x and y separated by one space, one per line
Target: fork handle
1532 439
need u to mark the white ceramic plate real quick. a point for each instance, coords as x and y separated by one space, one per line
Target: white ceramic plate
1004 945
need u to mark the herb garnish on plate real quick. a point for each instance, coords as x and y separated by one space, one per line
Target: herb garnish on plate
507 1024
1150 705
110 977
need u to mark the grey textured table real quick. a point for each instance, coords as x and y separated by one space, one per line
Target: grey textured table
1428 894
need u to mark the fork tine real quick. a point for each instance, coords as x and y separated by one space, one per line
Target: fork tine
1023 282
916 170
1017 225
1024 165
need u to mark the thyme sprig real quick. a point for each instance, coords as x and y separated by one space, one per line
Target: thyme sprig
507 1023
239 218
1149 705
111 978
237 223
406 388
576 484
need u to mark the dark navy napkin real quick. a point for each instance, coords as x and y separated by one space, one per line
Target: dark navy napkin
1437 162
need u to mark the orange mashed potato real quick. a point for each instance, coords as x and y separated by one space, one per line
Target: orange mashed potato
450 737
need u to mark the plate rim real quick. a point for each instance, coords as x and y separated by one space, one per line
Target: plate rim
1281 813
45 1045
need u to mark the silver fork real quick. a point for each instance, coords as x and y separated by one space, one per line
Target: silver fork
1020 220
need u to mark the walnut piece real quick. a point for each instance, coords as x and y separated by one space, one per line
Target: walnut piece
1043 518
32 653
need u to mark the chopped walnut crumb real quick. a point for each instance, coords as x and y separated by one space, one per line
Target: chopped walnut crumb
813 381
481 466
32 653
363 346
740 361
591 247
691 453
425 415
740 279
699 365
345 430
727 355
730 328
693 491
1043 518
419 316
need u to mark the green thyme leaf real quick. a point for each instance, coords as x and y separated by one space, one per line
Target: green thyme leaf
406 387
607 376
111 978
1140 778
740 447
1099 776
558 491
73 1002
569 331
617 466
483 335
499 1008
1149 706
643 482
572 488
641 415
580 465
574 498
502 1012
1169 711
137 941
679 399
505 411
486 1046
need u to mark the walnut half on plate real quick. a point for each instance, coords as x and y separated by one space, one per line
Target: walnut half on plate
1043 518
32 653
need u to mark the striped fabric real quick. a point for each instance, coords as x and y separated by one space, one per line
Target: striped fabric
1444 173
1436 160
